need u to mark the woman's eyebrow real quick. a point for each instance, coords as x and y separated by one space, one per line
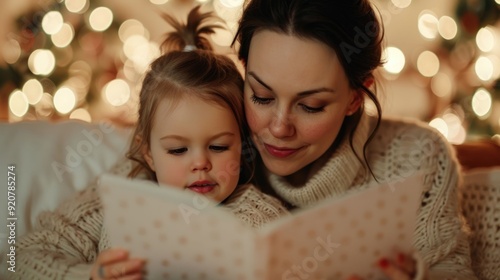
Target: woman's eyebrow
300 94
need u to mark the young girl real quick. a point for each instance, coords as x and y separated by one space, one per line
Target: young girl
189 135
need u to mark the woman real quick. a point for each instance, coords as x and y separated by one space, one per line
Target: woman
309 69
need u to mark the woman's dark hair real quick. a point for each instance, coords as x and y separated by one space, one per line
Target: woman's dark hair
350 27
189 69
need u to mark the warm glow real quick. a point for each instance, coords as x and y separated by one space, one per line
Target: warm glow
81 114
45 107
33 90
129 28
401 3
64 37
456 131
132 43
481 103
447 27
395 60
485 39
222 37
76 6
428 64
117 92
484 68
232 3
41 62
202 1
158 2
18 103
101 18
428 25
441 85
64 100
52 22
11 51
440 125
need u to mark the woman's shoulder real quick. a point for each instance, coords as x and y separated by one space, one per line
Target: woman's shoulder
406 131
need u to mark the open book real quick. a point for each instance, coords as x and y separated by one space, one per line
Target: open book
183 235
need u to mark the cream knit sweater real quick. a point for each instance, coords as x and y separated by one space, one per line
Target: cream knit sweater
66 242
399 149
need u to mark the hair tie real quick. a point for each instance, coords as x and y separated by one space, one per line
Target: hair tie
189 48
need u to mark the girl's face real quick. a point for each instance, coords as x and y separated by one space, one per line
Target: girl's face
195 145
296 98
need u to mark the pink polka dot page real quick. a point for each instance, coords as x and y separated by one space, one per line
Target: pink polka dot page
185 236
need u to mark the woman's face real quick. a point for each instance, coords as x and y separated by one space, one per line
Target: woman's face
296 98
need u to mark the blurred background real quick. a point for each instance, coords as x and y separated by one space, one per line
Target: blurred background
81 59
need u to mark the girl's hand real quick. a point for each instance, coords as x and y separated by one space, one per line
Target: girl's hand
402 268
116 264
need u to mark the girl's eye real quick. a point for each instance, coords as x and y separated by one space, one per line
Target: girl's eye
258 100
312 110
177 152
219 149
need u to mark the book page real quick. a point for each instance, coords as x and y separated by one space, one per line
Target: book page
346 236
182 235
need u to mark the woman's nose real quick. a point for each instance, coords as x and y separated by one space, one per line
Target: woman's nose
281 125
201 163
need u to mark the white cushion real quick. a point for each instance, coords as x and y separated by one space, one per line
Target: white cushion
52 162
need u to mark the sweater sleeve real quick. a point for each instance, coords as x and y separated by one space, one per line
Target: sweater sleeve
441 233
254 207
64 243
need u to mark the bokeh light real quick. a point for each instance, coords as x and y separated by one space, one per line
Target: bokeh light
485 39
45 107
11 51
64 100
33 90
440 125
456 132
64 37
395 60
81 114
101 18
447 27
428 24
232 3
116 92
481 103
428 64
484 68
41 62
52 22
442 85
76 6
401 3
131 27
18 103
158 2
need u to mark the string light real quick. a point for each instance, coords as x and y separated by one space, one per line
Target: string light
41 62
101 18
18 103
395 60
64 37
52 22
81 114
428 24
64 100
33 90
481 103
428 64
116 92
76 6
447 27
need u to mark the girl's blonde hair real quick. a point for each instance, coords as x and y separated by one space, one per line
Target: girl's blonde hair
196 73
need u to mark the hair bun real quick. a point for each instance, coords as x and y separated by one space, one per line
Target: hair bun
191 35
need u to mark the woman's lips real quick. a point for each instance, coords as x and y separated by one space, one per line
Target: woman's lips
280 152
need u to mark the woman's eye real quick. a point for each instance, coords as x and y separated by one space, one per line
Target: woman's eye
177 152
260 100
219 149
312 110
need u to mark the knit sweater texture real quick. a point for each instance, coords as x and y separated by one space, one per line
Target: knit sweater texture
65 243
399 149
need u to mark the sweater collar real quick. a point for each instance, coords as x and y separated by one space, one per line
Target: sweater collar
333 178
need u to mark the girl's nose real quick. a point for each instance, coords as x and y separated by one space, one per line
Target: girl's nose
201 163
